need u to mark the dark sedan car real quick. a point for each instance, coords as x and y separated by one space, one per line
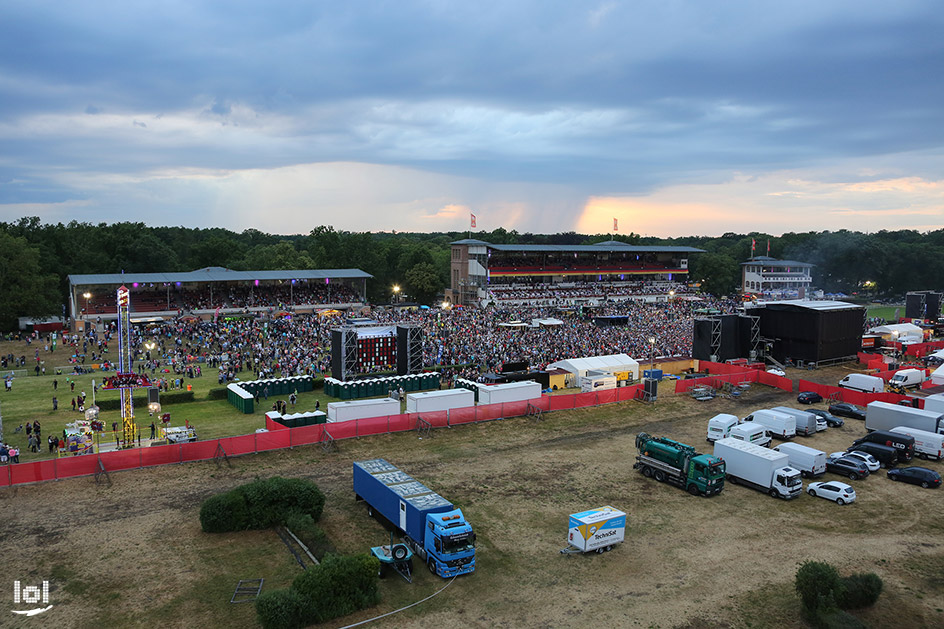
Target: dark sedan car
916 476
831 420
844 409
809 397
845 466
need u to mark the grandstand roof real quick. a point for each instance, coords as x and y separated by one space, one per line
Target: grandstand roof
774 262
216 274
609 245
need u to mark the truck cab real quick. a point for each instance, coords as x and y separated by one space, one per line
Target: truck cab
449 544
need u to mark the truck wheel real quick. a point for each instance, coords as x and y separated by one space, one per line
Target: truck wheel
773 493
400 552
660 476
431 565
693 490
647 471
370 511
380 572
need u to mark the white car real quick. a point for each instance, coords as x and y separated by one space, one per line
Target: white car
777 372
821 424
841 493
870 461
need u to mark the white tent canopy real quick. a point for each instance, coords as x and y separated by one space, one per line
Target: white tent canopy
611 364
903 331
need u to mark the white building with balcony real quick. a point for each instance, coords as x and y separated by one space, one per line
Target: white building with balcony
776 278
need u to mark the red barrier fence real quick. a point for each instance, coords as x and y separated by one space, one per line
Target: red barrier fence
279 436
848 395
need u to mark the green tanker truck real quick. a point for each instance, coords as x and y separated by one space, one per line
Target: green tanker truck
669 461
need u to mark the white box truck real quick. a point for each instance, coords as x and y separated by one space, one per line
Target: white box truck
751 433
862 382
810 461
805 420
928 445
885 416
362 409
510 392
934 403
777 424
720 426
596 529
431 401
760 468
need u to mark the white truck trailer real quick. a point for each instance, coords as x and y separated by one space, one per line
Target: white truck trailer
362 409
777 424
596 530
810 461
885 416
928 445
509 392
431 401
760 468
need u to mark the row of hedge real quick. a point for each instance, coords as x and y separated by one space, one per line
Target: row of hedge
338 586
825 595
261 504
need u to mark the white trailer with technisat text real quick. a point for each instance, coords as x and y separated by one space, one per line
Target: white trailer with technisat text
431 401
509 392
595 530
362 409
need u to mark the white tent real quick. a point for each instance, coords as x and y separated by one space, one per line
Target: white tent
937 376
610 364
900 332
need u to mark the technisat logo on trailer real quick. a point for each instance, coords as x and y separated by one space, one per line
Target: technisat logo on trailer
597 527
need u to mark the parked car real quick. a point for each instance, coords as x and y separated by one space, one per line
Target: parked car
870 461
844 466
777 372
844 409
841 493
831 420
916 476
809 397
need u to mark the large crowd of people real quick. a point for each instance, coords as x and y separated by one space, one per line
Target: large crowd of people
573 293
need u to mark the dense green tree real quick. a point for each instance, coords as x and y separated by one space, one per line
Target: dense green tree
25 289
423 282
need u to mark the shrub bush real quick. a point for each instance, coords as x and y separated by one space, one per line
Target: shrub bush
224 512
837 619
860 590
281 609
217 394
261 504
817 583
338 586
304 527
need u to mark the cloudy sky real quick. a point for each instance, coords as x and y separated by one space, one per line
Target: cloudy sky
676 117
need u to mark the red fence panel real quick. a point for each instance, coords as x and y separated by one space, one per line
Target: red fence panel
198 450
342 430
437 419
543 402
76 465
121 459
461 416
561 402
516 409
372 426
160 455
779 382
272 440
32 472
488 412
273 425
401 422
306 434
244 444
582 400
607 396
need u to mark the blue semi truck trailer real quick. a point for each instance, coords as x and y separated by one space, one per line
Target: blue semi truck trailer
434 529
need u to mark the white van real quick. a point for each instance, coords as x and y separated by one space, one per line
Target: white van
720 426
809 461
805 420
928 445
906 379
863 382
777 424
751 433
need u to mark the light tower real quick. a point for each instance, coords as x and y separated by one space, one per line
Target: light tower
126 381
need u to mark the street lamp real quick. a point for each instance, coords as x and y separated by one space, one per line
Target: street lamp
396 293
87 297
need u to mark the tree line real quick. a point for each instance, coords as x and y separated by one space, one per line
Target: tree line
36 258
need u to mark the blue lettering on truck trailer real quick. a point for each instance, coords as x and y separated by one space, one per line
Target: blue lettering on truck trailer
432 526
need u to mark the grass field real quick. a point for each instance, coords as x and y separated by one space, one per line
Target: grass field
132 554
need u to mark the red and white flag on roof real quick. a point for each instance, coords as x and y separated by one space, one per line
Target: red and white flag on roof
753 246
473 219
615 225
768 247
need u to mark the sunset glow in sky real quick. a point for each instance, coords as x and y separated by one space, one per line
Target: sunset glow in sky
677 117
